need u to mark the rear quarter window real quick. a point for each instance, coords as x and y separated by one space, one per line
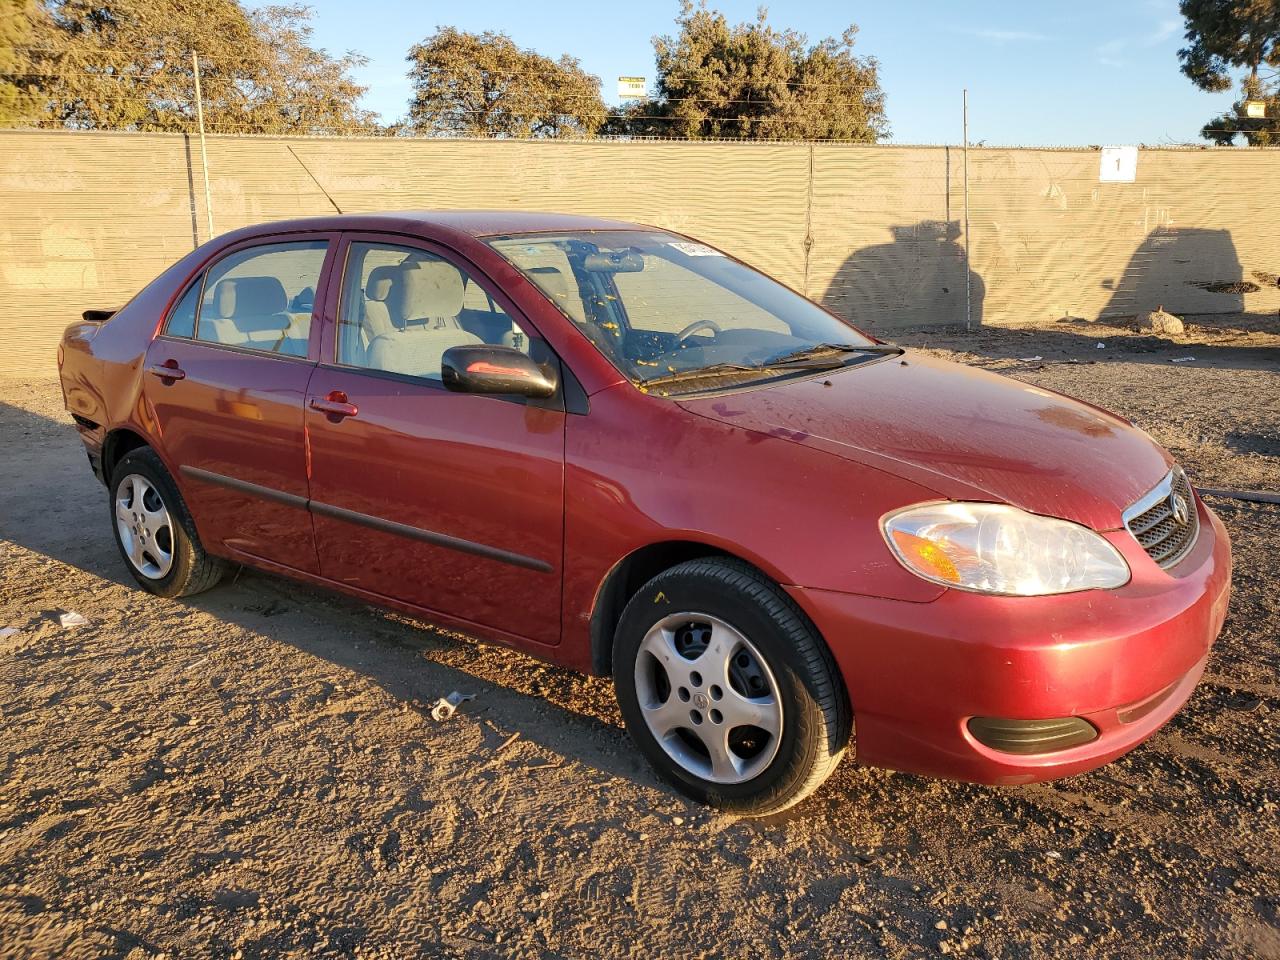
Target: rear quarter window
182 319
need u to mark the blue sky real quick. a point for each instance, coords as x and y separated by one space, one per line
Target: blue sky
1038 73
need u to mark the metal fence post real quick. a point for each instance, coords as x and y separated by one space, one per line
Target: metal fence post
204 156
968 272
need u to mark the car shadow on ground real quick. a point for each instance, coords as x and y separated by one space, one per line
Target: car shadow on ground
413 661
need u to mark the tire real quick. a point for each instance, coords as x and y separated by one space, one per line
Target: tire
715 610
154 531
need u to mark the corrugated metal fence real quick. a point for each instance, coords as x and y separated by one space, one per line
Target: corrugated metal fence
873 232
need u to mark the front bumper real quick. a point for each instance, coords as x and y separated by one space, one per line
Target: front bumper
1125 660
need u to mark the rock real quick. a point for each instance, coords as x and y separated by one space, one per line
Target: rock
940 925
1160 322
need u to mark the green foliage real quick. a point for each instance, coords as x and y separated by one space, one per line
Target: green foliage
467 84
1224 36
751 81
126 65
15 29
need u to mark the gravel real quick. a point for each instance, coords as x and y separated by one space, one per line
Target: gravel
254 773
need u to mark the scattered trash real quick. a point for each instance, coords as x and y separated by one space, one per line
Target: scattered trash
508 742
446 707
1053 855
1101 345
71 619
8 632
1250 496
1182 359
1029 359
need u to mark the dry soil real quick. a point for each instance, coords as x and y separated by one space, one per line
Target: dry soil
253 773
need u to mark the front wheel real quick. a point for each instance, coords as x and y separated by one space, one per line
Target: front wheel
727 688
154 530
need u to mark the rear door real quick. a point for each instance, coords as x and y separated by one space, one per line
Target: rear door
452 502
225 383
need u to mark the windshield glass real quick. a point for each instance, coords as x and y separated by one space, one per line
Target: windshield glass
675 316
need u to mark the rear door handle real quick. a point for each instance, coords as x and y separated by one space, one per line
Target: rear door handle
335 405
169 370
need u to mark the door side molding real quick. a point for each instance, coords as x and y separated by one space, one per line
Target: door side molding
367 520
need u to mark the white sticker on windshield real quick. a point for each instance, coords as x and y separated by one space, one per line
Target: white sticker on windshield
694 249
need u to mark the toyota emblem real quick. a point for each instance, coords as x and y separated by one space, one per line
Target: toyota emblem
1181 512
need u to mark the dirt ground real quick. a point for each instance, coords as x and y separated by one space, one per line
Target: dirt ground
252 773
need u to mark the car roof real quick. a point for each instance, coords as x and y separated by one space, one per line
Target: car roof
476 223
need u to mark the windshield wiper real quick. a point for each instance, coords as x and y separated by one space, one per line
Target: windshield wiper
822 349
698 373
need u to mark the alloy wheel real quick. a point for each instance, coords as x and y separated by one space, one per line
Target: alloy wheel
708 697
144 526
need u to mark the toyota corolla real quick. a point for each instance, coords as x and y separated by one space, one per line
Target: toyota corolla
622 450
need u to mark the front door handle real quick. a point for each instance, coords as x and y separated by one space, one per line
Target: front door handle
335 405
168 371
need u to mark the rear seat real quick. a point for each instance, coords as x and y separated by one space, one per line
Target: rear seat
425 301
253 311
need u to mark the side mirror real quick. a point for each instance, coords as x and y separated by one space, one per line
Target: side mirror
491 369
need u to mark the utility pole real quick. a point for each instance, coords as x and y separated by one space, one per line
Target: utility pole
968 273
204 156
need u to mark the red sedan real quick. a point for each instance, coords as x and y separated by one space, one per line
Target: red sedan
622 450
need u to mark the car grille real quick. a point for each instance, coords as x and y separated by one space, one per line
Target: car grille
1156 522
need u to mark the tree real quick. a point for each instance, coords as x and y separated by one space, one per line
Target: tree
126 65
15 28
483 85
1228 35
751 81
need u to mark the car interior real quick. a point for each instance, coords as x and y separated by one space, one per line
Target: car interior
411 311
253 311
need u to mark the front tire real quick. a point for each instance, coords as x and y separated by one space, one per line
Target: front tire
727 688
154 531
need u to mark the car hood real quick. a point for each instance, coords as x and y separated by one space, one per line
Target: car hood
964 433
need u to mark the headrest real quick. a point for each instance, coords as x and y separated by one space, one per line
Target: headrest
380 281
552 281
249 297
429 289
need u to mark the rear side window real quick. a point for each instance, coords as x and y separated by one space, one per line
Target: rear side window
261 298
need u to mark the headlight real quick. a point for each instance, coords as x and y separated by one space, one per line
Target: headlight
994 548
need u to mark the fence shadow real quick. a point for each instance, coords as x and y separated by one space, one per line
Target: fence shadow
918 279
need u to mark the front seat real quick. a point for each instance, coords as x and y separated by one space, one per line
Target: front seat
555 285
427 299
377 315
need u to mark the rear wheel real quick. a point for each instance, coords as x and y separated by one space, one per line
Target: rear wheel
727 688
154 530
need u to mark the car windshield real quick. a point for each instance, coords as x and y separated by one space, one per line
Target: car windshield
676 316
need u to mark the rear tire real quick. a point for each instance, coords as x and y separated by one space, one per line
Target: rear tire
727 688
154 531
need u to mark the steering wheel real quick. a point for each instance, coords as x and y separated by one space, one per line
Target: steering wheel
695 327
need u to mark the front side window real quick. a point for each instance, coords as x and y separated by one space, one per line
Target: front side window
402 308
677 316
260 298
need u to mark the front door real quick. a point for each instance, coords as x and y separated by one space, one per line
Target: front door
451 502
225 382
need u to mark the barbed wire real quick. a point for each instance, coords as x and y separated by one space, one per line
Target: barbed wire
550 72
349 135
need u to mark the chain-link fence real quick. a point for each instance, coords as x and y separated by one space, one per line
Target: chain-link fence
873 232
